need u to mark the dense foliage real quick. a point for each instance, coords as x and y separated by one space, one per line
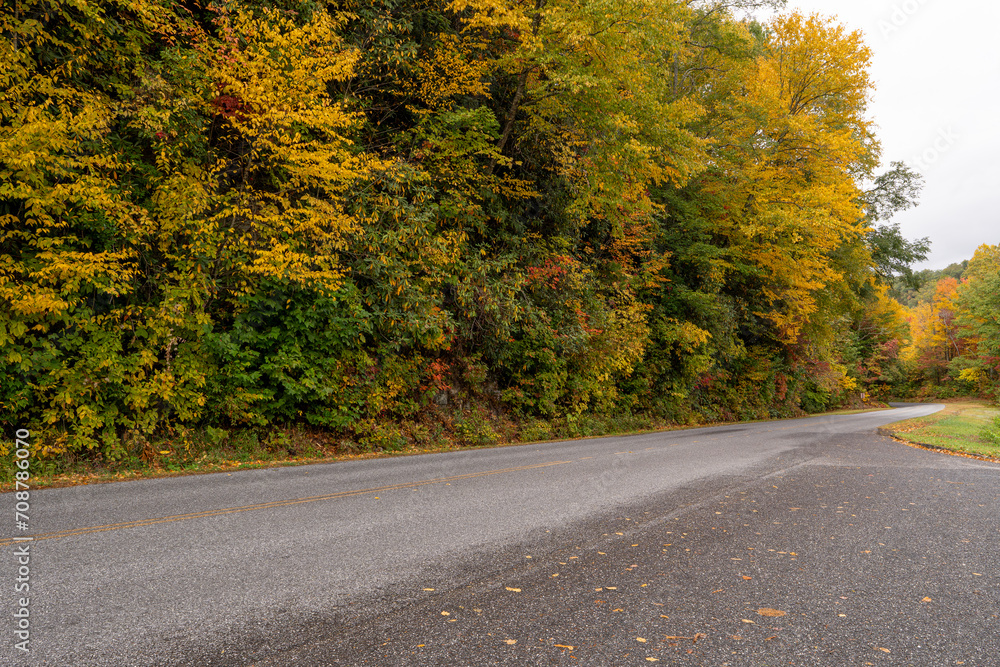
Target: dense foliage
955 329
346 214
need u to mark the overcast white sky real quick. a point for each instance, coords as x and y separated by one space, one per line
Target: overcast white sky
936 65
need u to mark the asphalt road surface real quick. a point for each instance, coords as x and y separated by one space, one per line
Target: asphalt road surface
803 542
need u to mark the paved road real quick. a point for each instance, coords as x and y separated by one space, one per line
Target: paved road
668 548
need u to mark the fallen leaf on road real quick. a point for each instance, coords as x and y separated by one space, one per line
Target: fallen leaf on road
764 611
513 590
511 641
446 613
662 616
719 590
565 646
617 610
927 600
641 639
746 578
747 620
428 589
884 650
612 588
652 659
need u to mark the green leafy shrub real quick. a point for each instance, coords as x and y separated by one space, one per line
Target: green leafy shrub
475 429
535 430
374 436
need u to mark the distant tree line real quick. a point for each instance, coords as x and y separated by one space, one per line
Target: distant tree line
954 318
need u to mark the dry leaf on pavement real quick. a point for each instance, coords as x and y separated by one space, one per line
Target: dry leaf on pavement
765 611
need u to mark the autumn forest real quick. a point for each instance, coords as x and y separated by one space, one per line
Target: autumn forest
389 221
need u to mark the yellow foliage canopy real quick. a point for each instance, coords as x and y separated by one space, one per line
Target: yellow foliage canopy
795 138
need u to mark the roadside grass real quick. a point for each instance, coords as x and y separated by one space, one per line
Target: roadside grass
967 427
190 453
195 452
210 450
851 411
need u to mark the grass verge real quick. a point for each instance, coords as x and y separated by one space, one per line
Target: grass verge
964 427
195 452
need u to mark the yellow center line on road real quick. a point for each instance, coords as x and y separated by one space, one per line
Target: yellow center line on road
277 503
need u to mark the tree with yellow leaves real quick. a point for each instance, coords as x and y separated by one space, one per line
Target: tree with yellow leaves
147 180
797 140
936 338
